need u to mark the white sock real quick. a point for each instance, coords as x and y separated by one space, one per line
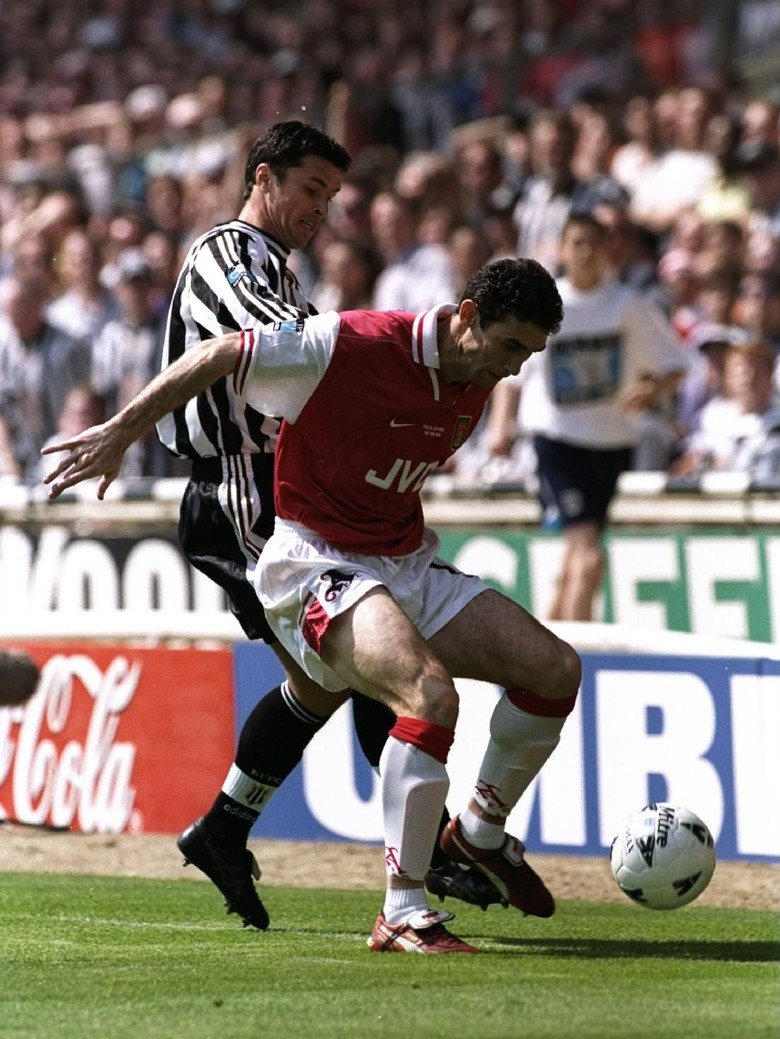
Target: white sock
519 745
401 903
247 791
479 832
414 786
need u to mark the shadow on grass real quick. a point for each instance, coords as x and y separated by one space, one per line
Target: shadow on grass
593 948
738 952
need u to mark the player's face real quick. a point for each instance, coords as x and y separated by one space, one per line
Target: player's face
296 205
486 356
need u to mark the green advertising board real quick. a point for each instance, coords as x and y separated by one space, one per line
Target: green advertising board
709 582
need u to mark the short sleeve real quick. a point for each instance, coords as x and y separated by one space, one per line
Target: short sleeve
284 363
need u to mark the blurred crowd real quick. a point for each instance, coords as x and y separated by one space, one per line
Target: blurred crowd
476 128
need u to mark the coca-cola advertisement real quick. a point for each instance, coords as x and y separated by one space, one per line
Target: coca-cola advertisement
118 739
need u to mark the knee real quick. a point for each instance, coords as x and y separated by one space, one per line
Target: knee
588 562
438 700
571 668
567 669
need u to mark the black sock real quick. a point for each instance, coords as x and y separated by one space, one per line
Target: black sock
438 858
271 744
373 721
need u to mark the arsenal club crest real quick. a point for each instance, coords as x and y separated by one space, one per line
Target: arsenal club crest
461 431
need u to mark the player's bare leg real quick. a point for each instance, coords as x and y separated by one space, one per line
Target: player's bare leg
494 639
374 647
581 573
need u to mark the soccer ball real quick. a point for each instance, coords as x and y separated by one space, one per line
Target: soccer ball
664 857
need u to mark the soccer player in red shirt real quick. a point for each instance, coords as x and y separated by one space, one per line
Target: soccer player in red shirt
350 579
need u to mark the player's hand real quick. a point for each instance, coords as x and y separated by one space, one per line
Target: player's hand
98 451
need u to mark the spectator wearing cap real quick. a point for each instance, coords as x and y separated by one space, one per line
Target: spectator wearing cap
128 351
145 107
552 191
703 381
759 165
739 429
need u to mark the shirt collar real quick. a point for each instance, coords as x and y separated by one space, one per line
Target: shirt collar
425 342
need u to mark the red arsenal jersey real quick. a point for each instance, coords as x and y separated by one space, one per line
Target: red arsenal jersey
367 419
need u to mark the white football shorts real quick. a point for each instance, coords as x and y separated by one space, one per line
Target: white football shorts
303 582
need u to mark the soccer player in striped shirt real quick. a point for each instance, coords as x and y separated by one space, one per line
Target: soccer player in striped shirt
236 276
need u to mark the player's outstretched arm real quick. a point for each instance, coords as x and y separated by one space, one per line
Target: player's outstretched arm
99 450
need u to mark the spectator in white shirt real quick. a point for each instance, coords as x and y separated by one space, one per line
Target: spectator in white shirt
417 276
587 400
84 305
740 428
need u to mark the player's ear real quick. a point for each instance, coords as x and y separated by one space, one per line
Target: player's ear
263 175
468 312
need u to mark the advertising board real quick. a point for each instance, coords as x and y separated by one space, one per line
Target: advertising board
700 731
700 581
704 581
118 739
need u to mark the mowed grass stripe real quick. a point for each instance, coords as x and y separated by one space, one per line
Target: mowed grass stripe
118 958
87 919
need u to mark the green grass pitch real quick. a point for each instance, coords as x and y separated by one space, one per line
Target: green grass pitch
118 958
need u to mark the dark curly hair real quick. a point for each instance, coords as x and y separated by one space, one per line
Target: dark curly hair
520 287
286 144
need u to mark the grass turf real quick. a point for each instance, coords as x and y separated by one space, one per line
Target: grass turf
118 958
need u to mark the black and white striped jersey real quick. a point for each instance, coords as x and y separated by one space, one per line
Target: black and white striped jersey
235 276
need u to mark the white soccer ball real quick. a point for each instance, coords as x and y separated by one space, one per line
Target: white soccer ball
664 857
